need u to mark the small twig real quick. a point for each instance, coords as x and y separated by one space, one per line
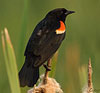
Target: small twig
90 86
47 72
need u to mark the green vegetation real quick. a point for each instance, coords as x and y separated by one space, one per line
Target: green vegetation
82 41
10 62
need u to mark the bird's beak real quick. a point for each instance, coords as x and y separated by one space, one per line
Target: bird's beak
69 12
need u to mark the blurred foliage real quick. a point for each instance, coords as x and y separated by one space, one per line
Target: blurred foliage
10 62
53 65
82 38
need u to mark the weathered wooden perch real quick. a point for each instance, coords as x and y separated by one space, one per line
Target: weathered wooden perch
50 87
47 84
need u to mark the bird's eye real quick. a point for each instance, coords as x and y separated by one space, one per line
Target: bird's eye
64 11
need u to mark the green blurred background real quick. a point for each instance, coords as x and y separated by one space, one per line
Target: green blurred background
82 39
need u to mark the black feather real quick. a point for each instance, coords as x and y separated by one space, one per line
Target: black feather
29 74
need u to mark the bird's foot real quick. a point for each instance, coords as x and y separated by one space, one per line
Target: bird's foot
48 68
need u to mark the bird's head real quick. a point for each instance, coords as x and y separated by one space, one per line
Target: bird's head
59 14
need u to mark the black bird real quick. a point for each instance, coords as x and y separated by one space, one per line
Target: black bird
43 43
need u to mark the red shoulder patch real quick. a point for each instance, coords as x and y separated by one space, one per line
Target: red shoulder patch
62 28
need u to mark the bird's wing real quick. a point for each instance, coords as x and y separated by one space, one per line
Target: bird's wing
43 44
37 39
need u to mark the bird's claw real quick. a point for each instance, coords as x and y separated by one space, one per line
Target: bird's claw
48 68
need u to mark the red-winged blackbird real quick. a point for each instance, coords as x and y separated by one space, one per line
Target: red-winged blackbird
43 43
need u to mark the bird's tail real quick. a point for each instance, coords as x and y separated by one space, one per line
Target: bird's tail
28 75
